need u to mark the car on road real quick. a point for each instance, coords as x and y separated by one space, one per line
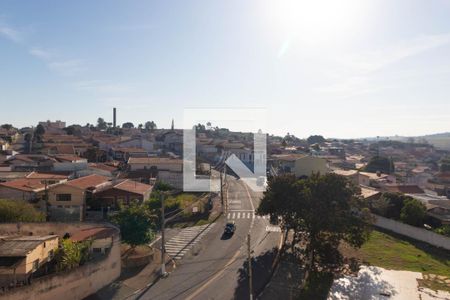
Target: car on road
230 228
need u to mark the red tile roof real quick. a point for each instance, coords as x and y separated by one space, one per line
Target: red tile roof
92 233
37 175
133 187
25 184
405 189
91 181
103 167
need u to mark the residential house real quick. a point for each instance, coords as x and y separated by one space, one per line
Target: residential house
300 165
124 192
439 210
352 175
160 163
22 256
101 238
26 189
71 163
403 189
123 154
438 207
171 140
30 162
67 201
168 170
376 180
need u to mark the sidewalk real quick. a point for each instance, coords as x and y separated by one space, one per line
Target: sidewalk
132 281
286 280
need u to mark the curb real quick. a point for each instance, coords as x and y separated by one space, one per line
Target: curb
141 291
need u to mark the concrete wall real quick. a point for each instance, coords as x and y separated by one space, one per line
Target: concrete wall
307 165
75 284
413 232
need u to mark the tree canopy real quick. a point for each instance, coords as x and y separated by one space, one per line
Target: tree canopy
389 205
380 164
19 211
315 139
150 125
322 210
128 125
136 224
101 124
413 212
445 164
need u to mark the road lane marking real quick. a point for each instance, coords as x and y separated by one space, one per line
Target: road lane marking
217 275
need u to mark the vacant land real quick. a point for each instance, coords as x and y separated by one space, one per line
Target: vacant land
394 252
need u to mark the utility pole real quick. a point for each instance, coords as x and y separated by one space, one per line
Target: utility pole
163 246
221 189
250 275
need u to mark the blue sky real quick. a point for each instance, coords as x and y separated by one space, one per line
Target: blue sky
339 68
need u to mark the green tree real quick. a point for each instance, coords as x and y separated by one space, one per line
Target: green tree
72 130
445 165
389 205
413 212
19 211
128 125
101 124
380 164
315 139
444 230
40 130
322 210
72 254
150 125
7 126
136 224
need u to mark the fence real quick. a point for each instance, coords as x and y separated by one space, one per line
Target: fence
416 233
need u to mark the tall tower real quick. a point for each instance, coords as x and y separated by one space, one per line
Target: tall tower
173 125
114 117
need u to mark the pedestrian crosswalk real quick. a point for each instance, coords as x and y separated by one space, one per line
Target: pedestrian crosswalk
273 228
245 215
183 242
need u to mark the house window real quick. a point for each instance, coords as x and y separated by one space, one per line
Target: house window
35 265
63 197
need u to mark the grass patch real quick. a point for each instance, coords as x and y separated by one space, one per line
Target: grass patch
391 251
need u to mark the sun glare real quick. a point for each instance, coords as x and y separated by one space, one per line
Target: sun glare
315 21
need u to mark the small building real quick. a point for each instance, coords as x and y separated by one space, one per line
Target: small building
124 192
22 256
160 163
123 154
376 180
67 201
300 165
101 238
351 175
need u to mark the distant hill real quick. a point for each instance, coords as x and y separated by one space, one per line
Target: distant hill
438 140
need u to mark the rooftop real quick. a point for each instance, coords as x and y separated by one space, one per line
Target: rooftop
133 187
91 181
25 184
154 160
92 233
21 246
405 189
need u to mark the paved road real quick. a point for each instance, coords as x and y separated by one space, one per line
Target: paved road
216 267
